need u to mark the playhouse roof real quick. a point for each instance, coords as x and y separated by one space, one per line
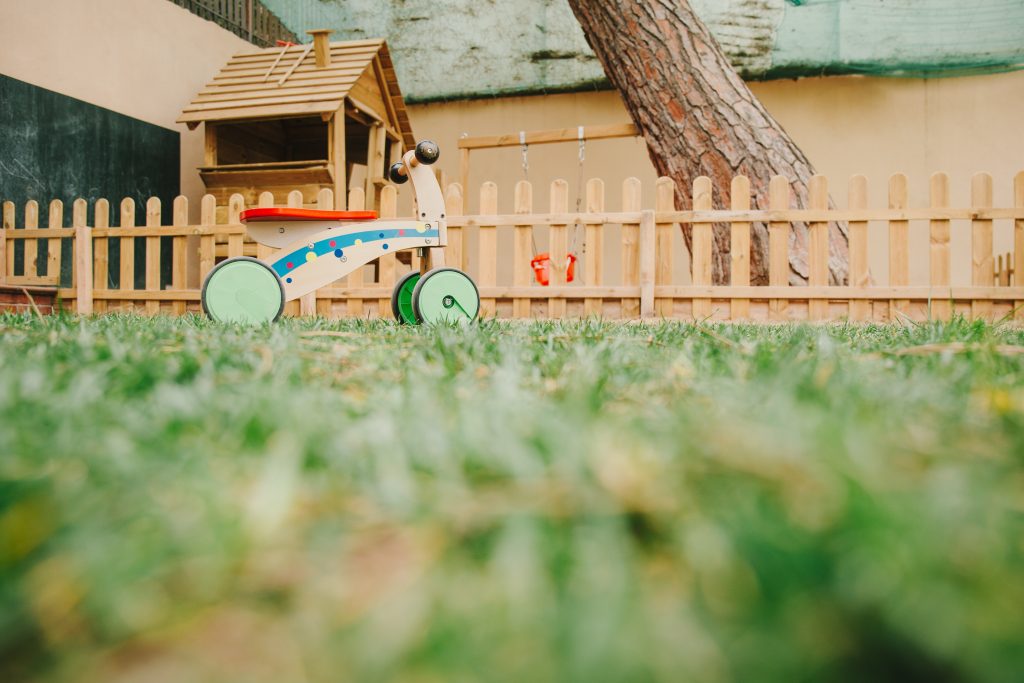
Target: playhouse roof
267 83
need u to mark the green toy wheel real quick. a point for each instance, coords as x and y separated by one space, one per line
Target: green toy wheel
445 295
401 298
244 290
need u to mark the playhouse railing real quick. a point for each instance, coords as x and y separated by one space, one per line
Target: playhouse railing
655 275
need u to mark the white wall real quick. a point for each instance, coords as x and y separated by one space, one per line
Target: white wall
142 58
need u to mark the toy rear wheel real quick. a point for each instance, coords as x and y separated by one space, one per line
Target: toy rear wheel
401 298
243 289
445 295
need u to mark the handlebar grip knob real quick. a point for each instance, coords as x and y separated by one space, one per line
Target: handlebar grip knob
396 175
427 152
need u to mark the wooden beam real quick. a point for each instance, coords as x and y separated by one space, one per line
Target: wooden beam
543 137
210 151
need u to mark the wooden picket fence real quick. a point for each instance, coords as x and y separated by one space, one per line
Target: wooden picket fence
647 285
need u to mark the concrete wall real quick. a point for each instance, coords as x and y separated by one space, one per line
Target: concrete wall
142 58
846 125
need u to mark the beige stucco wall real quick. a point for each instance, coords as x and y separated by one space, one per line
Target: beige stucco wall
846 125
142 58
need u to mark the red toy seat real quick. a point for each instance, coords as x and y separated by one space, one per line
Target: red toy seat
279 214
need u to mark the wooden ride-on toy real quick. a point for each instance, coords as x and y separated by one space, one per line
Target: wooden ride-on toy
317 247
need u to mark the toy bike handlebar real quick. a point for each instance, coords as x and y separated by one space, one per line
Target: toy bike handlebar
426 152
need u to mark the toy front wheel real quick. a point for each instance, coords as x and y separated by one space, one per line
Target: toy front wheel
445 295
243 289
401 298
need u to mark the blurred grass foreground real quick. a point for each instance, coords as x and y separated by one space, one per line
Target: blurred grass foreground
359 501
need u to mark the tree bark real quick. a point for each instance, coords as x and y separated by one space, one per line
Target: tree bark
698 117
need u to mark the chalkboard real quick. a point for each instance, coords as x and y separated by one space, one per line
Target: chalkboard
57 147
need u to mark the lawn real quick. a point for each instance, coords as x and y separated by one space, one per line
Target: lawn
580 501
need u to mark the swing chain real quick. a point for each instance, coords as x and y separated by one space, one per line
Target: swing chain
579 187
525 150
579 201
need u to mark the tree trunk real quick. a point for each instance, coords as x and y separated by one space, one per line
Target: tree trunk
699 118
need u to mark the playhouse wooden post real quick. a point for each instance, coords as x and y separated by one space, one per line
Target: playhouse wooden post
210 144
374 163
336 157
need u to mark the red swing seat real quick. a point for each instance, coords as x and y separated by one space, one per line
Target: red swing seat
287 214
541 265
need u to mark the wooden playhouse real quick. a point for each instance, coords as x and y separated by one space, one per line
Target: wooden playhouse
302 117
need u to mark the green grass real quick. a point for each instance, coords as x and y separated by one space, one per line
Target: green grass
331 500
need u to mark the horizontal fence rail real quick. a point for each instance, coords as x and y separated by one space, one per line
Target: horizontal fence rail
630 262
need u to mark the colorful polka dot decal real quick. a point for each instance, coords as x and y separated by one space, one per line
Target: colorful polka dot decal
337 244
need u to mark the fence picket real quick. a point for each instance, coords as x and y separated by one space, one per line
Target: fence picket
83 249
938 253
860 275
522 239
179 249
778 246
701 239
55 221
265 201
648 236
207 243
739 246
631 194
1018 244
236 241
983 274
899 256
487 247
126 278
558 247
153 255
664 200
388 263
101 254
356 202
818 247
307 302
7 243
31 253
324 202
593 247
456 252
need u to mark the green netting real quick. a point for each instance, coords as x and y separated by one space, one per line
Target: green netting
460 48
